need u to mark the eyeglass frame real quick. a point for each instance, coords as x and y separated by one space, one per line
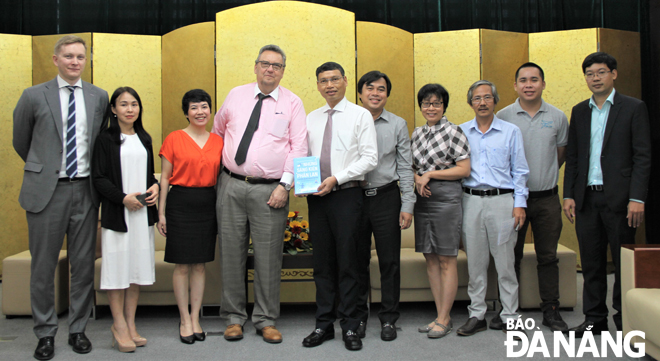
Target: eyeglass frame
601 73
265 65
428 105
486 98
334 80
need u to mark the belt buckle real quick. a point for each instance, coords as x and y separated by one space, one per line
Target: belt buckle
371 192
247 178
597 187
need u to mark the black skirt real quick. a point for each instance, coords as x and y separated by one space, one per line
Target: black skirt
192 226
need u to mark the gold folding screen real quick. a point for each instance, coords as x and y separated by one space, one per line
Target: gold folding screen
15 75
390 52
188 63
135 61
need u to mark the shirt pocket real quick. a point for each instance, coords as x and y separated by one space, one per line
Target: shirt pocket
279 127
499 157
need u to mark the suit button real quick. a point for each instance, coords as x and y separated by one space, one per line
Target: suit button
57 172
60 151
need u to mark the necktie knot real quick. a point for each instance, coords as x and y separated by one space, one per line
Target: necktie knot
71 88
262 96
331 112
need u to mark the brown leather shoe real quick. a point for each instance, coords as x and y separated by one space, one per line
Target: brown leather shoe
234 332
270 334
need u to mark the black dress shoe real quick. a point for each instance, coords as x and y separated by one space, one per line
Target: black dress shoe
472 326
388 332
362 329
80 343
552 319
318 337
496 323
352 341
189 340
595 327
199 336
519 329
45 349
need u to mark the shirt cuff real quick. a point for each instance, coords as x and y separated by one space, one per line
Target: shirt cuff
287 178
408 208
636 200
520 201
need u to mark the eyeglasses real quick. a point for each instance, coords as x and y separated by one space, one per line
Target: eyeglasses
486 98
334 80
601 73
265 65
436 105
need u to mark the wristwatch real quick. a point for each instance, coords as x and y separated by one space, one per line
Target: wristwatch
286 186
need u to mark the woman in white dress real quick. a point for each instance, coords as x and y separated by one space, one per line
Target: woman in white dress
123 173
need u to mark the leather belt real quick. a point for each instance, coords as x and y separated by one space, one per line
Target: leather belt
374 191
487 192
596 188
347 185
545 193
250 179
71 180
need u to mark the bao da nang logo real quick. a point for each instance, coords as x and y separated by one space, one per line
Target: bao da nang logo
566 345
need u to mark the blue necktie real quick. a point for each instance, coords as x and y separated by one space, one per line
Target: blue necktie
71 153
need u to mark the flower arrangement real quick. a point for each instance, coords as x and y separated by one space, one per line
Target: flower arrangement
296 235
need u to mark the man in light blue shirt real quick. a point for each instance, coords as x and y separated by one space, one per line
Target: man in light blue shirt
493 205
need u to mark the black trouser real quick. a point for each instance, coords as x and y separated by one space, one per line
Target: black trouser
545 216
334 221
380 216
597 226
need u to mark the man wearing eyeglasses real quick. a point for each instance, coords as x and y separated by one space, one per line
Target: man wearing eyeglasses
544 130
389 200
494 201
263 127
343 136
608 164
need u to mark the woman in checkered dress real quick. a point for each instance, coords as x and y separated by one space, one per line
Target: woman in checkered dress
441 158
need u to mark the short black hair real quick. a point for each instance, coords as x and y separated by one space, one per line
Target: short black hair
371 77
429 90
329 66
529 64
599 58
194 96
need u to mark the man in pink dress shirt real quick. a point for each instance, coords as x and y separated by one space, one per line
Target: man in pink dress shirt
263 128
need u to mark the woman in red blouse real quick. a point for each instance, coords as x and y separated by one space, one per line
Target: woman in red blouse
190 164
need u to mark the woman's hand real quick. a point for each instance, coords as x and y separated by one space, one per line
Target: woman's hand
131 202
162 226
421 185
153 198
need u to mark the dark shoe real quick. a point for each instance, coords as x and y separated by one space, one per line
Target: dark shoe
595 327
199 336
519 329
552 319
186 339
387 332
472 326
362 329
234 332
45 349
318 337
352 341
496 323
80 343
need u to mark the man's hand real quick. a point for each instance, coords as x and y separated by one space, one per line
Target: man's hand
569 209
635 214
405 219
326 186
278 197
519 215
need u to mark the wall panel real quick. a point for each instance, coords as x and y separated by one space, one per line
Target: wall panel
502 53
15 75
188 63
389 50
450 58
318 34
135 61
43 68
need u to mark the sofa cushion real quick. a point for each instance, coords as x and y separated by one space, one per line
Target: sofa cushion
644 312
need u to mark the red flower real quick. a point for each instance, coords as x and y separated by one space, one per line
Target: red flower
297 243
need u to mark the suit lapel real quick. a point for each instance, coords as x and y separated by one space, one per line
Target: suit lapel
611 118
90 102
52 94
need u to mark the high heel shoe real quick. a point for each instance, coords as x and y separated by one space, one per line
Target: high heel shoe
139 341
200 336
122 347
186 339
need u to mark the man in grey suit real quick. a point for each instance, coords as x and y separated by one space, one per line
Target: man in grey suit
55 125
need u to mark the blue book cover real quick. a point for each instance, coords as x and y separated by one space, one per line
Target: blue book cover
307 174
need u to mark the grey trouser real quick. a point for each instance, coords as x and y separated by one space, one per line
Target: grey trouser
243 214
488 230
